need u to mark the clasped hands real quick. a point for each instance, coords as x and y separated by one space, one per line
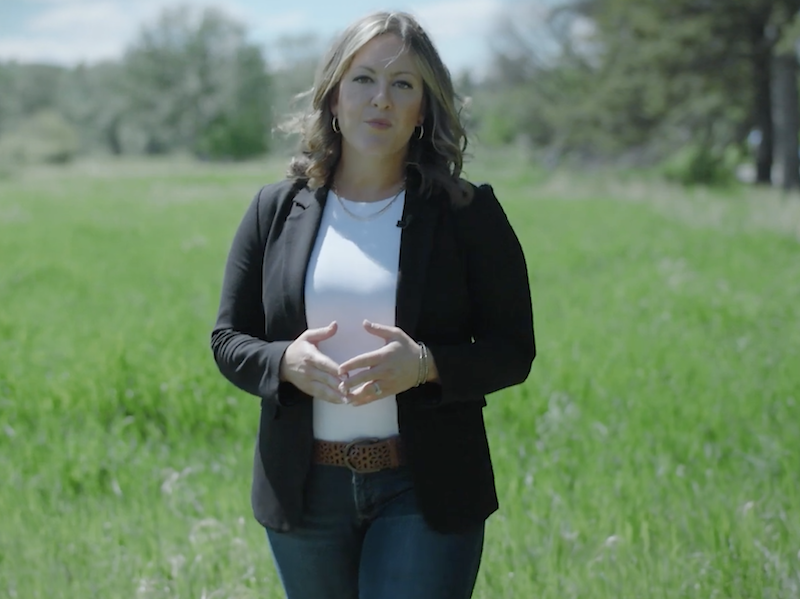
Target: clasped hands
386 371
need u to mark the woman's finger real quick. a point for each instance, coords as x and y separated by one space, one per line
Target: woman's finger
366 360
367 393
326 393
324 378
323 362
381 330
362 376
321 334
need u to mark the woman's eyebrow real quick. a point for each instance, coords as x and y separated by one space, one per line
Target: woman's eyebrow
393 73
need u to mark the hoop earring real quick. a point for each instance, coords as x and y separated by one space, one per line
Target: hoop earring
421 133
335 125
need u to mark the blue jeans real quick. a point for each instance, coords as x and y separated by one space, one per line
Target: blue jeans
363 537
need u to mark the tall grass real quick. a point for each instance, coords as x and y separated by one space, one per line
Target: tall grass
653 452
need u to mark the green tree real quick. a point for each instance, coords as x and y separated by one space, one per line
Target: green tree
45 137
659 75
92 98
294 64
788 104
27 89
194 81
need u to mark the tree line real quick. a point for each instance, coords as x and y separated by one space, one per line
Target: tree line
695 85
191 82
647 79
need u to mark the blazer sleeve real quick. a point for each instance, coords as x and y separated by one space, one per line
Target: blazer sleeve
503 347
238 342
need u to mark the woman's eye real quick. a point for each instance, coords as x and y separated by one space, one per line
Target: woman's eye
404 84
362 79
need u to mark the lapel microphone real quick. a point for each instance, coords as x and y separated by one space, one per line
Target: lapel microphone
404 222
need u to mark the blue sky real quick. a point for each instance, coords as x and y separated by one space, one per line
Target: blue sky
72 31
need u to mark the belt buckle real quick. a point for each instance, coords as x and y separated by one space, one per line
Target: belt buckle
359 443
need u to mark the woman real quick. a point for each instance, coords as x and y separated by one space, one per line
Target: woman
371 301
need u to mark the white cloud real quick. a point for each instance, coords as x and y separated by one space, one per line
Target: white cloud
460 29
451 19
73 31
57 2
290 22
77 17
26 49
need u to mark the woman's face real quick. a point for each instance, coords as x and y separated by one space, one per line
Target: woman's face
380 99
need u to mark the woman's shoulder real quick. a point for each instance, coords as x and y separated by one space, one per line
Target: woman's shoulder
280 191
274 198
480 211
472 195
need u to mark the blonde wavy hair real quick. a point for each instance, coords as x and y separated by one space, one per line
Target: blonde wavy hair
436 159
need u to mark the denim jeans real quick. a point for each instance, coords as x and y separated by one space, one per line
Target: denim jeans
363 537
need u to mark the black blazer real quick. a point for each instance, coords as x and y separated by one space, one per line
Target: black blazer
462 289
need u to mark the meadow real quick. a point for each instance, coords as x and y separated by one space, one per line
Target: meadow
654 450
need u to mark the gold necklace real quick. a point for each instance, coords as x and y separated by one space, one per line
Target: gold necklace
369 217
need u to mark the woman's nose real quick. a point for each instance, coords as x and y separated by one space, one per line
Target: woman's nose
381 99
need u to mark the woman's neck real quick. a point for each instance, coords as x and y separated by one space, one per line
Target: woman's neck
368 181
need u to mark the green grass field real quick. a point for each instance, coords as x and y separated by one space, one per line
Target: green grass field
653 452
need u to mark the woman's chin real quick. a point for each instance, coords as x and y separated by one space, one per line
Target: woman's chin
379 149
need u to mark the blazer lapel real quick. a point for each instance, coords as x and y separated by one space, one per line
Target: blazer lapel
300 232
416 241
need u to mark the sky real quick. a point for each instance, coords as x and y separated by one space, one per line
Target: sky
68 32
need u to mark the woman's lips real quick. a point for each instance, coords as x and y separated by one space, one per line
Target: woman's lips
379 124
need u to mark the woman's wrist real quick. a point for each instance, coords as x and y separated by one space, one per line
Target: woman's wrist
426 369
283 367
422 364
433 372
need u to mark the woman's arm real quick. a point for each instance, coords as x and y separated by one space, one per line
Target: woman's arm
502 349
240 351
503 346
284 371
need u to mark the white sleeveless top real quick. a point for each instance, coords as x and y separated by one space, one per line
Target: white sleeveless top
352 276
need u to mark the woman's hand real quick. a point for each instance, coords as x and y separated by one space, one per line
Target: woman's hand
310 370
394 368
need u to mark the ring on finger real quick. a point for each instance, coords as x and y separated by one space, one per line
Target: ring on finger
377 388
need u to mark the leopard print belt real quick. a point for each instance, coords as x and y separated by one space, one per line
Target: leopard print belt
362 455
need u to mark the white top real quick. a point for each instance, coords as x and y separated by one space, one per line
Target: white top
352 276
